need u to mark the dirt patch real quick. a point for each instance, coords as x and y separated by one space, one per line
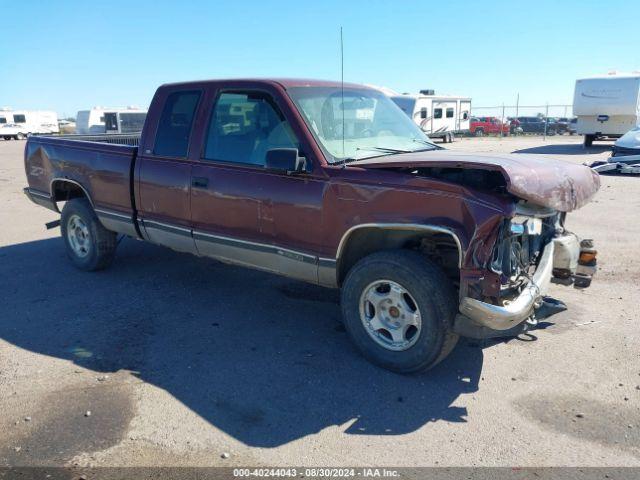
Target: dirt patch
67 423
609 425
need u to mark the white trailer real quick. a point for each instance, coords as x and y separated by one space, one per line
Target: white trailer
606 106
439 116
26 122
124 122
89 122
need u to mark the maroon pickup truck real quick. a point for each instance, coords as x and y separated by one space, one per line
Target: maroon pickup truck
330 184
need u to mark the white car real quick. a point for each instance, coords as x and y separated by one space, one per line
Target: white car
625 157
13 131
628 144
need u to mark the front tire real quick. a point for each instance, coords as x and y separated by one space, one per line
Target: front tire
89 245
479 132
398 309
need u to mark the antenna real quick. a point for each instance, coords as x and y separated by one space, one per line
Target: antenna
342 84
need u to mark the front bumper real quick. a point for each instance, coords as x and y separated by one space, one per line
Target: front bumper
561 254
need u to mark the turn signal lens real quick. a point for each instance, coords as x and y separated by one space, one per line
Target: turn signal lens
587 257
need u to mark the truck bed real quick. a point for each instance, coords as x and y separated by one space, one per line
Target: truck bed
62 167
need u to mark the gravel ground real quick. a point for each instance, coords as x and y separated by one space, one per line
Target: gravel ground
168 359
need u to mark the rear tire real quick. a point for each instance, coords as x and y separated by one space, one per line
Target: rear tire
89 245
479 132
19 136
417 289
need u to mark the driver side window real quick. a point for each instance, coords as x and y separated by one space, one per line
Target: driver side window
244 126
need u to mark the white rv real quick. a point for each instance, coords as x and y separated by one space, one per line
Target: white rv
89 122
439 116
30 121
606 106
124 122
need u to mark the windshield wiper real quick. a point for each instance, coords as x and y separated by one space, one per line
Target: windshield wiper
386 150
432 146
389 151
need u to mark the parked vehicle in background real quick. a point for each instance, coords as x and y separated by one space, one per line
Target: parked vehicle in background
514 126
332 184
90 122
561 124
537 125
554 124
607 106
479 126
439 116
66 123
625 157
12 131
628 144
566 125
31 121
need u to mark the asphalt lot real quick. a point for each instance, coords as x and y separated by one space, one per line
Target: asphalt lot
180 359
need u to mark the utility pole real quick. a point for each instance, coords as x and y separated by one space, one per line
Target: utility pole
546 122
517 105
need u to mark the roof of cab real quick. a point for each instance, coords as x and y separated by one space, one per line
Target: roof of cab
284 82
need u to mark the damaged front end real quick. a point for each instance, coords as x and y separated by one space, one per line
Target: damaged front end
531 249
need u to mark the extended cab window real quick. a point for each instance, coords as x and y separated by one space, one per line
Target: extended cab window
174 129
244 126
437 113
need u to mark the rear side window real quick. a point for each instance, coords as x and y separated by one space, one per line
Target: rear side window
19 119
423 112
3 120
449 112
174 129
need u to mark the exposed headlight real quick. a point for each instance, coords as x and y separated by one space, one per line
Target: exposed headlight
521 225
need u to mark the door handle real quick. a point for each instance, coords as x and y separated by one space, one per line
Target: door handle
199 182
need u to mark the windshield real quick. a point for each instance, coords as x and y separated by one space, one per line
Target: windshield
373 124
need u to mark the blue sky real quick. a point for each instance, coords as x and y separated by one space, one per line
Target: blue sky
70 55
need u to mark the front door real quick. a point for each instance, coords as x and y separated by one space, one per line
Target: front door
237 205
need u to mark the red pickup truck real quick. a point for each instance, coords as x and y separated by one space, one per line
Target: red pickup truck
479 126
330 184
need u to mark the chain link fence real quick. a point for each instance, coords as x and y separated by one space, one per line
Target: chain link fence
545 119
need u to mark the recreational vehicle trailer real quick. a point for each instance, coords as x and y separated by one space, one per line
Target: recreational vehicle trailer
607 106
30 121
439 116
94 121
124 122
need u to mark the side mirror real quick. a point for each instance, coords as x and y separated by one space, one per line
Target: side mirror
285 160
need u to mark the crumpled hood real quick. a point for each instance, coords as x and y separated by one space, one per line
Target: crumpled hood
541 180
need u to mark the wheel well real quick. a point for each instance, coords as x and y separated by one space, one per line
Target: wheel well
441 247
64 190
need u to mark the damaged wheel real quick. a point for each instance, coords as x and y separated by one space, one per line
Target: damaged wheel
89 245
398 309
